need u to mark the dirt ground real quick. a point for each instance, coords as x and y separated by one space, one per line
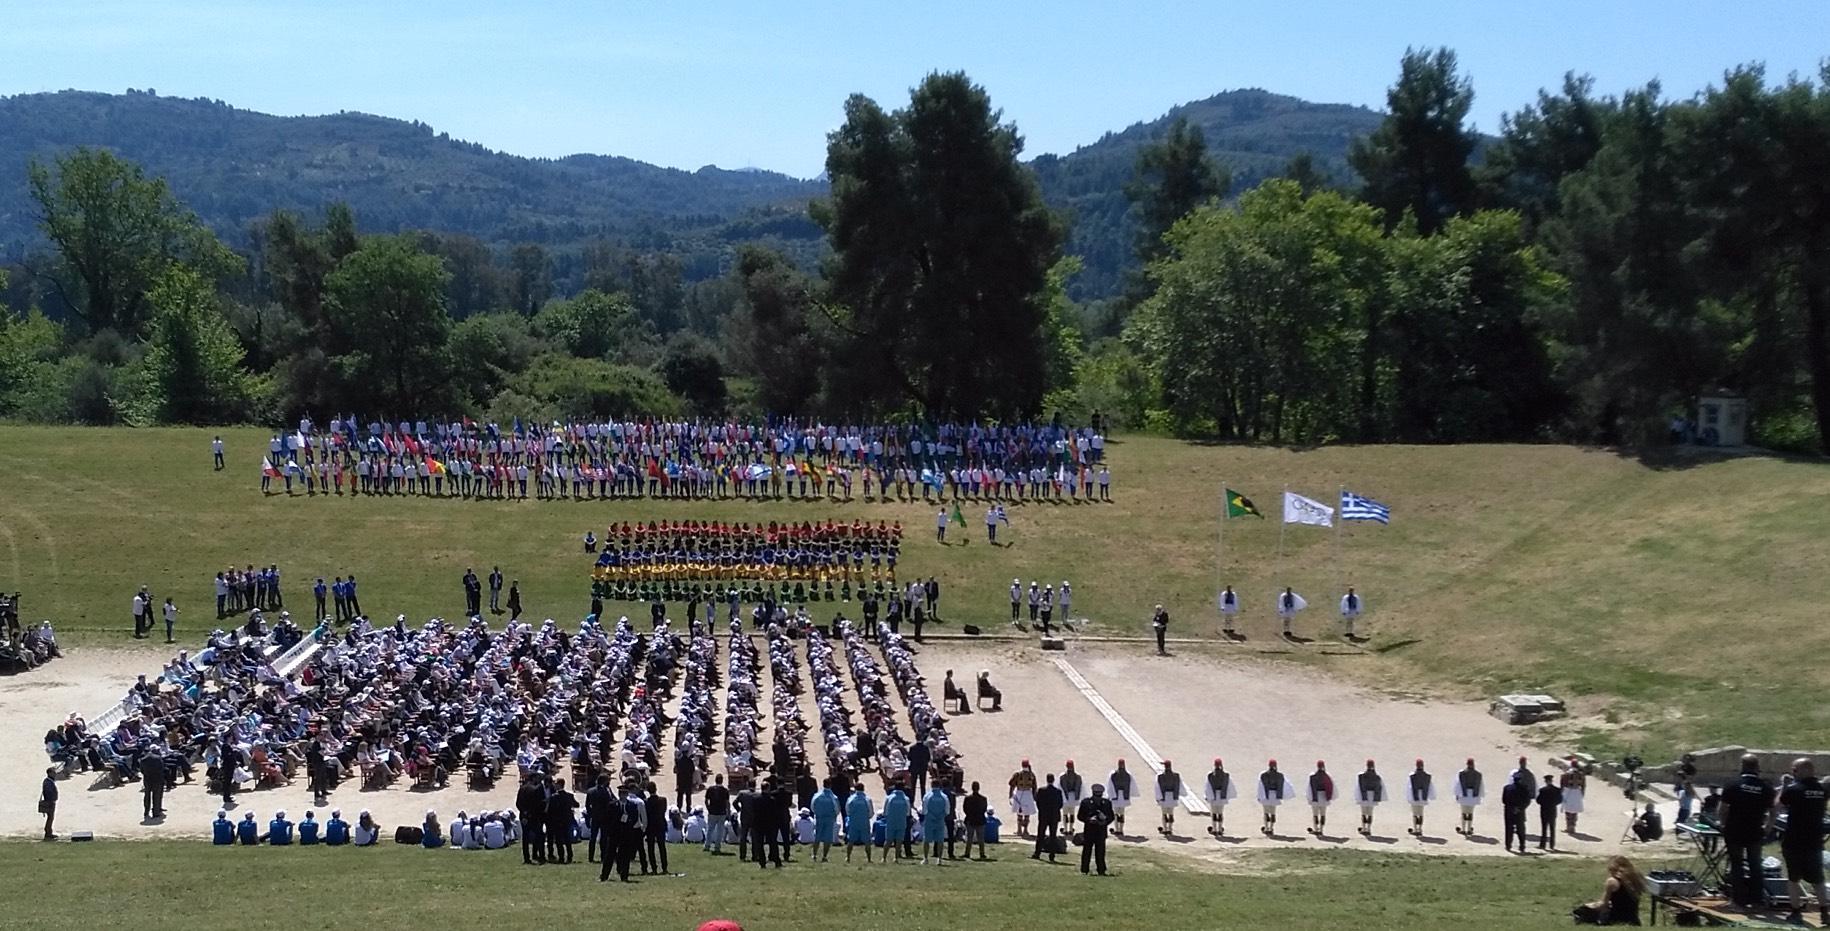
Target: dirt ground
1190 708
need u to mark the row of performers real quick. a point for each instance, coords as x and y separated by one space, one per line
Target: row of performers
1272 788
795 563
748 590
703 532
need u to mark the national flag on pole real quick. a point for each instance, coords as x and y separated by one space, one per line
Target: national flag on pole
1301 510
267 468
1354 507
958 517
434 467
1238 505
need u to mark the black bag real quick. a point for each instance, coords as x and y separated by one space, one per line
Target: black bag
1057 844
406 834
972 630
44 806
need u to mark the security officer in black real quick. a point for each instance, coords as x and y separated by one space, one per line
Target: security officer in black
1095 814
1742 816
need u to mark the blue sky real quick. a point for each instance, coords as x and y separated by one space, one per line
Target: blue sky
741 84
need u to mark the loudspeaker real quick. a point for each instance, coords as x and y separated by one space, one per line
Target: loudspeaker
81 836
972 630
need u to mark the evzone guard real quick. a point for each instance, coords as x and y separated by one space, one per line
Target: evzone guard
1168 796
1369 792
1468 796
1220 790
1320 794
1421 789
1273 788
1120 787
1072 790
1229 610
1288 604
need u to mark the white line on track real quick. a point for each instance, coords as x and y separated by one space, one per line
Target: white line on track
1194 803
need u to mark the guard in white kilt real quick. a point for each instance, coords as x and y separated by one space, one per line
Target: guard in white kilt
1351 605
1168 796
1072 790
1121 787
1320 793
1220 790
1421 790
1229 610
1273 788
1468 796
1288 604
1023 797
1369 792
1574 783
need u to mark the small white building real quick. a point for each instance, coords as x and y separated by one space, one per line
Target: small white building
1722 419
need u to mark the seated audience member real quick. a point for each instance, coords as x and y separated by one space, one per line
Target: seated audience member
430 836
248 831
473 835
367 832
1650 825
222 830
987 690
279 830
952 694
308 830
495 832
336 830
1619 902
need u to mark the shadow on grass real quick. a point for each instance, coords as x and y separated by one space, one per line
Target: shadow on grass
1396 645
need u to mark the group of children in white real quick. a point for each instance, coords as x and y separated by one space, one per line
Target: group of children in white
1302 510
1272 788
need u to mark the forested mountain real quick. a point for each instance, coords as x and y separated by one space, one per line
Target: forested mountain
1252 133
235 166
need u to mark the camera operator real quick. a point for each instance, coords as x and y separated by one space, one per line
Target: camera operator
1743 813
1802 841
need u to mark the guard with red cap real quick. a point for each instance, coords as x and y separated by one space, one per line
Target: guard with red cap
1422 791
1273 788
1168 796
1468 794
1370 792
1023 797
1120 787
1072 790
1321 793
1220 790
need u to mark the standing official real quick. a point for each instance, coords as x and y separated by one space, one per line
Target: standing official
1159 622
1550 796
1742 815
1515 798
1049 805
1094 814
600 820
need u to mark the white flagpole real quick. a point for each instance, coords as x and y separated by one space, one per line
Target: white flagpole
1281 526
1220 556
1340 527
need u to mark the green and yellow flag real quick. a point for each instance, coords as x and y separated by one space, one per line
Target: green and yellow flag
1238 505
958 518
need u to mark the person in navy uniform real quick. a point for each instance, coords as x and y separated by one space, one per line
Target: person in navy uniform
1094 815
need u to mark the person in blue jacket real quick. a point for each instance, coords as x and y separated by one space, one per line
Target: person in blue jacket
934 823
308 830
858 813
279 830
896 810
825 821
222 830
336 830
430 836
248 832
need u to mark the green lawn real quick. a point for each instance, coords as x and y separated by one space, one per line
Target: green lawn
195 887
1678 604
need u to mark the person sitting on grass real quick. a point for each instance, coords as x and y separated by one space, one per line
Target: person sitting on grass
308 830
430 836
248 831
279 830
1650 825
367 832
336 830
1619 902
222 830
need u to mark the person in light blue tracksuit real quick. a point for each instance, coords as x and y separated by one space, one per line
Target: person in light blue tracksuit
858 814
825 821
934 809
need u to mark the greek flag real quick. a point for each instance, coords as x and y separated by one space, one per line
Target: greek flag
1354 507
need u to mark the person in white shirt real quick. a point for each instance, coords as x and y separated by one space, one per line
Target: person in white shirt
171 620
940 526
139 614
216 451
460 831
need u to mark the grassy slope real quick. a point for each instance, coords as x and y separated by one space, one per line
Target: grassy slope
180 885
1679 604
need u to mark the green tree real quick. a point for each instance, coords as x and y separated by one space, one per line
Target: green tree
388 297
1542 144
592 388
1417 160
1173 176
1309 176
692 370
488 351
295 259
193 362
116 232
770 337
592 325
530 278
941 247
29 344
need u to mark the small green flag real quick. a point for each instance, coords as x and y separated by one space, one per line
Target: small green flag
958 518
1238 505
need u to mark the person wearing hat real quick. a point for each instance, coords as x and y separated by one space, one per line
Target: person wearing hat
1321 793
1468 795
1421 788
1120 788
1168 796
1159 622
308 830
1220 790
222 830
1094 814
1023 797
248 831
1016 599
1369 791
1273 788
336 830
1072 791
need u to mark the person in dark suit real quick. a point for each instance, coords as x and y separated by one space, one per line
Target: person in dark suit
1094 815
559 807
1049 802
530 802
1550 798
654 836
600 820
1514 799
47 801
152 782
919 758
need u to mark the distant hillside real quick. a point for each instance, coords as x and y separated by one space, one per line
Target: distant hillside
234 166
1254 133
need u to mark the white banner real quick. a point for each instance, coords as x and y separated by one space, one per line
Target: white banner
1301 510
